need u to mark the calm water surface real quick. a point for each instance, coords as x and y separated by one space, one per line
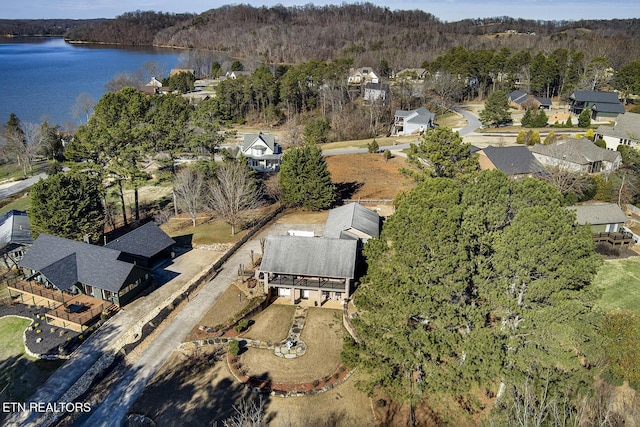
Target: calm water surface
41 78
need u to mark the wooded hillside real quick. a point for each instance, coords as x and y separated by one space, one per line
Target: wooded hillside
364 32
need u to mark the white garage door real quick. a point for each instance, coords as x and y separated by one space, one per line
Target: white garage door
284 292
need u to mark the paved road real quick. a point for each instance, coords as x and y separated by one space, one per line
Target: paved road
12 188
472 121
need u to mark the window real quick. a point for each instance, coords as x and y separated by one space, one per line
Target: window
88 289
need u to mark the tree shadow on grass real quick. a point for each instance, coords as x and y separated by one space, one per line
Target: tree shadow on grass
346 190
196 391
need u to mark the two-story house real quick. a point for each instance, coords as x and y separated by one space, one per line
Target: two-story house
262 151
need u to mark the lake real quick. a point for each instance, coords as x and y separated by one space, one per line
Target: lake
40 78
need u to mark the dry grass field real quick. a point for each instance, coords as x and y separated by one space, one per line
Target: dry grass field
368 176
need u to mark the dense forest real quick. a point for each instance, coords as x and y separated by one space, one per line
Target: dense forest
365 32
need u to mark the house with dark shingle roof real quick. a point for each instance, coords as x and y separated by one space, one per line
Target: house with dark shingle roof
143 245
523 100
73 267
15 236
262 151
516 161
625 131
578 155
603 105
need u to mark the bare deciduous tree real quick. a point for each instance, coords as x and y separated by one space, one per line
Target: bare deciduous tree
83 106
567 181
188 187
447 87
233 192
247 414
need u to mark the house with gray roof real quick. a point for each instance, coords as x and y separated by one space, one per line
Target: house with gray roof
625 131
516 161
73 267
603 105
317 268
523 100
606 221
407 122
352 221
143 245
15 236
578 155
362 75
262 151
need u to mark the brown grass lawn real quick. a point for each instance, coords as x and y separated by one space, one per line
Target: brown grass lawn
180 395
225 307
271 324
341 406
368 176
296 216
323 334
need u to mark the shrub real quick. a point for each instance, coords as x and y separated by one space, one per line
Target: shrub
373 146
316 383
381 403
234 348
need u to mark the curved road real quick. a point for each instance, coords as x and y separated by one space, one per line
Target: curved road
12 188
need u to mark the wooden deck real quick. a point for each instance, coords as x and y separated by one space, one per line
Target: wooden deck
34 293
614 239
79 312
75 312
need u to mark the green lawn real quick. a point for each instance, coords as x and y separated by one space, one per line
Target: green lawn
11 329
21 204
20 375
620 280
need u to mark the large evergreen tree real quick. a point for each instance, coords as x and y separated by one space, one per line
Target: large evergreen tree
67 205
476 284
496 110
442 153
305 179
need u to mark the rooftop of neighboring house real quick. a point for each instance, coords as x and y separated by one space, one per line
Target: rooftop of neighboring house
595 96
515 160
517 96
580 151
15 228
418 116
377 86
299 256
146 241
598 213
627 125
268 139
67 262
364 222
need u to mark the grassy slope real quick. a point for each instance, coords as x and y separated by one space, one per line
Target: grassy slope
620 280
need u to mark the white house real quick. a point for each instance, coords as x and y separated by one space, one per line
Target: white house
409 122
262 151
625 131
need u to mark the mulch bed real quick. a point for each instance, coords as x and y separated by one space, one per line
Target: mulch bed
50 342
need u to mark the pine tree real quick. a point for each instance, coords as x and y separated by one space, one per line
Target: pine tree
584 119
67 205
305 179
475 284
527 118
496 110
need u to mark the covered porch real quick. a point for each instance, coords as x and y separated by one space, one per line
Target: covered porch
304 288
